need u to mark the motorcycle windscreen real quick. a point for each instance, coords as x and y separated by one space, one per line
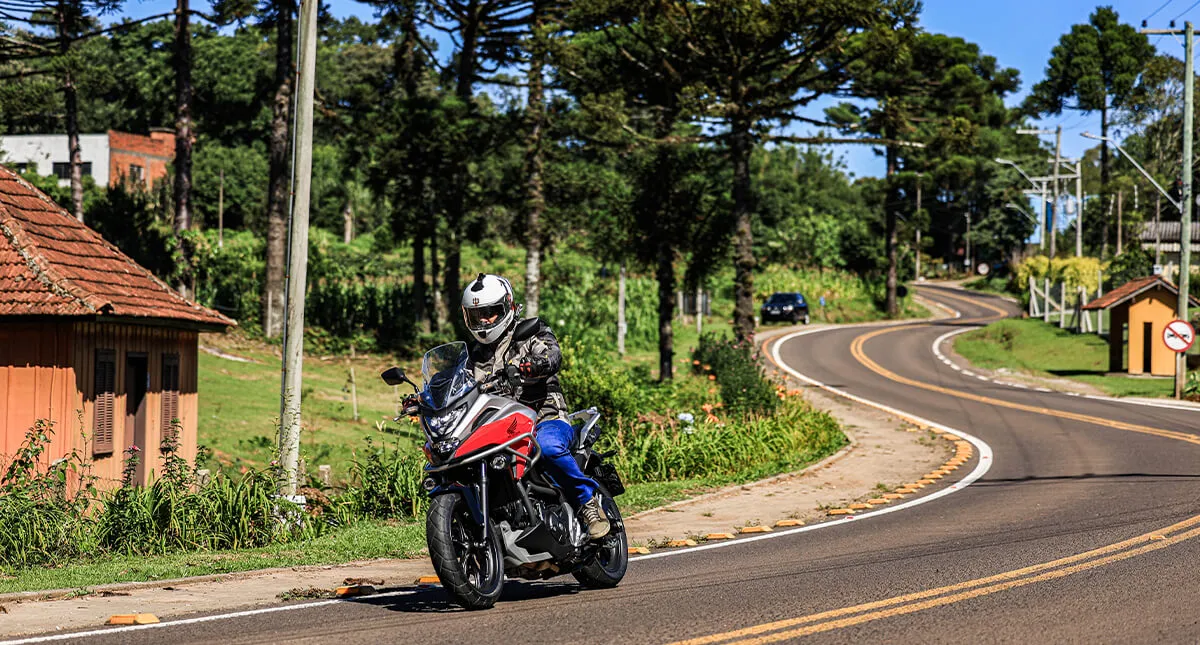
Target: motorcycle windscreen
447 378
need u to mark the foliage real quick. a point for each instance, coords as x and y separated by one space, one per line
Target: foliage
1081 271
591 378
1191 389
1133 262
669 449
385 483
745 389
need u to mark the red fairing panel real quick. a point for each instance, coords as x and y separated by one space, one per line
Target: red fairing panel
496 433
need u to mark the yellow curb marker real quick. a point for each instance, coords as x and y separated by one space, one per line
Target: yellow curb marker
859 507
840 511
639 550
351 591
679 543
925 482
789 523
879 500
429 580
893 495
132 619
755 529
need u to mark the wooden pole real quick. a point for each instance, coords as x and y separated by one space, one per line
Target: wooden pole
699 309
353 393
621 326
221 212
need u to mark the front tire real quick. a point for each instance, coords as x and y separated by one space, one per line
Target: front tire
608 566
471 569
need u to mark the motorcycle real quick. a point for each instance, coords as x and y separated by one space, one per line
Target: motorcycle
493 512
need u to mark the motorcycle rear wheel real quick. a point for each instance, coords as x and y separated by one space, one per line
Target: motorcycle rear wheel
471 569
609 564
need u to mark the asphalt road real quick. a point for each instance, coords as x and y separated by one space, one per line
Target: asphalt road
1083 530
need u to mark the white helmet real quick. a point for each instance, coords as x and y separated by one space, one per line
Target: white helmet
488 308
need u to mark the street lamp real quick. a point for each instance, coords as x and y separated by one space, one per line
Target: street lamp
1022 211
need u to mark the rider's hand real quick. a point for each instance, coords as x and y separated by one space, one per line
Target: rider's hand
512 374
530 367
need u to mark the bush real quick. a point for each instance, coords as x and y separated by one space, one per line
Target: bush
590 377
43 510
384 483
656 452
745 389
1075 272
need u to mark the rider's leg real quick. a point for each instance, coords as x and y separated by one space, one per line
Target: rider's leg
554 438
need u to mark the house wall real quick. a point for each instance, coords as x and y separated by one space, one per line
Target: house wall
1158 308
47 371
153 154
42 150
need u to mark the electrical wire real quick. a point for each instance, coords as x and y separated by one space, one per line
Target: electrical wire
1164 6
1194 4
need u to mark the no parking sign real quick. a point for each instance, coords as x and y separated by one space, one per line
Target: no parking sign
1178 335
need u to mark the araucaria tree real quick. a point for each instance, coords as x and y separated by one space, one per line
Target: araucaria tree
1093 68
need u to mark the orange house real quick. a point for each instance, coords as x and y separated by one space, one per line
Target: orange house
1139 310
90 340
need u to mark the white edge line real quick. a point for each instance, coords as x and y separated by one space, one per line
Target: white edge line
193 621
985 463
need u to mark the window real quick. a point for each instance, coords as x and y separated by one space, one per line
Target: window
170 397
62 169
105 402
22 167
137 173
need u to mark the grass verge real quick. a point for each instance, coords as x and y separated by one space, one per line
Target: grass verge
1032 347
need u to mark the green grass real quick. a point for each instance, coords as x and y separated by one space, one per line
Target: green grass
993 284
1033 347
362 541
239 406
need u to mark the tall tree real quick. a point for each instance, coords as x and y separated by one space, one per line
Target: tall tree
183 136
535 116
1093 68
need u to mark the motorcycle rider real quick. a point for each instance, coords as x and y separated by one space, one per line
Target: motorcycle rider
490 314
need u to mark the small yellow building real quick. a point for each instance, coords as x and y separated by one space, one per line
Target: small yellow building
1139 310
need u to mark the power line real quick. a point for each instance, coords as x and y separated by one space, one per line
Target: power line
1193 6
1164 6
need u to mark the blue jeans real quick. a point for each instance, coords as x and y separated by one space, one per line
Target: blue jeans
554 438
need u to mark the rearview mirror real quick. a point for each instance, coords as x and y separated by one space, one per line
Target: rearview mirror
396 376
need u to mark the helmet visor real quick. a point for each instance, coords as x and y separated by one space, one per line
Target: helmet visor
484 317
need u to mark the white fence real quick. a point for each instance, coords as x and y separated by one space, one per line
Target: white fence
1063 303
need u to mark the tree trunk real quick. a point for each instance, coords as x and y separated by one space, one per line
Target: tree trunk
889 218
72 104
348 223
665 274
183 140
418 267
535 197
743 259
277 192
438 318
1106 218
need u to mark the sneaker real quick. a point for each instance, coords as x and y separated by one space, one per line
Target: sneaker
593 516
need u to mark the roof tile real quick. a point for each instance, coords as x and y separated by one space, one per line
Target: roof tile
51 264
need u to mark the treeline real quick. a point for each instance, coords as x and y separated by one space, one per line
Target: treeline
672 137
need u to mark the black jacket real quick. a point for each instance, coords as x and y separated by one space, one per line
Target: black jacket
529 339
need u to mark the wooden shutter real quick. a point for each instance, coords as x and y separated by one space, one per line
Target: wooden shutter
105 403
170 395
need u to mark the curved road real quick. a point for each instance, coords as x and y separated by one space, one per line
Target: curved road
1083 530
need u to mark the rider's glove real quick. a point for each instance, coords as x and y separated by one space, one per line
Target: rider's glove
531 367
512 374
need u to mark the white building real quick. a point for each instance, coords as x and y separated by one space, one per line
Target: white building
48 155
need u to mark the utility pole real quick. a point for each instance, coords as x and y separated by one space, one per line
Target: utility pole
1057 160
293 335
1185 203
1120 217
221 212
970 263
1157 231
916 222
1079 208
1185 228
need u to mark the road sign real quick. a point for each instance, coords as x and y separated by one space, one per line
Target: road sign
983 268
1178 335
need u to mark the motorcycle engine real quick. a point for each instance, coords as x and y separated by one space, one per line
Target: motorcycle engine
555 518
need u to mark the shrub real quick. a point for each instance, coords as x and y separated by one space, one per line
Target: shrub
745 389
385 482
667 450
591 378
1075 272
43 509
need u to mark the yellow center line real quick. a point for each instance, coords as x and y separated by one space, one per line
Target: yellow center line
921 600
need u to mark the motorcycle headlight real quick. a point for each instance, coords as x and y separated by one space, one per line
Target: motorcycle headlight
442 425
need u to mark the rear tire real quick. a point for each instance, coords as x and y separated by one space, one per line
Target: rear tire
470 569
609 564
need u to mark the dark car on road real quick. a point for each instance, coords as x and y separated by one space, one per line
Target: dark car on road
791 307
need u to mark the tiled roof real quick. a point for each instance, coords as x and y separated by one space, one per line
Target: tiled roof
51 264
1131 289
1168 232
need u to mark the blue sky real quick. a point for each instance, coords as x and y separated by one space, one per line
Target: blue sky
1019 33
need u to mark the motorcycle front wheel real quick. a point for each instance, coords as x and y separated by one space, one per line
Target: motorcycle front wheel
470 568
612 559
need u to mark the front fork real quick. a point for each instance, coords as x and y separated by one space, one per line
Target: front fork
475 495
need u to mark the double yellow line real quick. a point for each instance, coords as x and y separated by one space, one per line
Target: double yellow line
919 601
